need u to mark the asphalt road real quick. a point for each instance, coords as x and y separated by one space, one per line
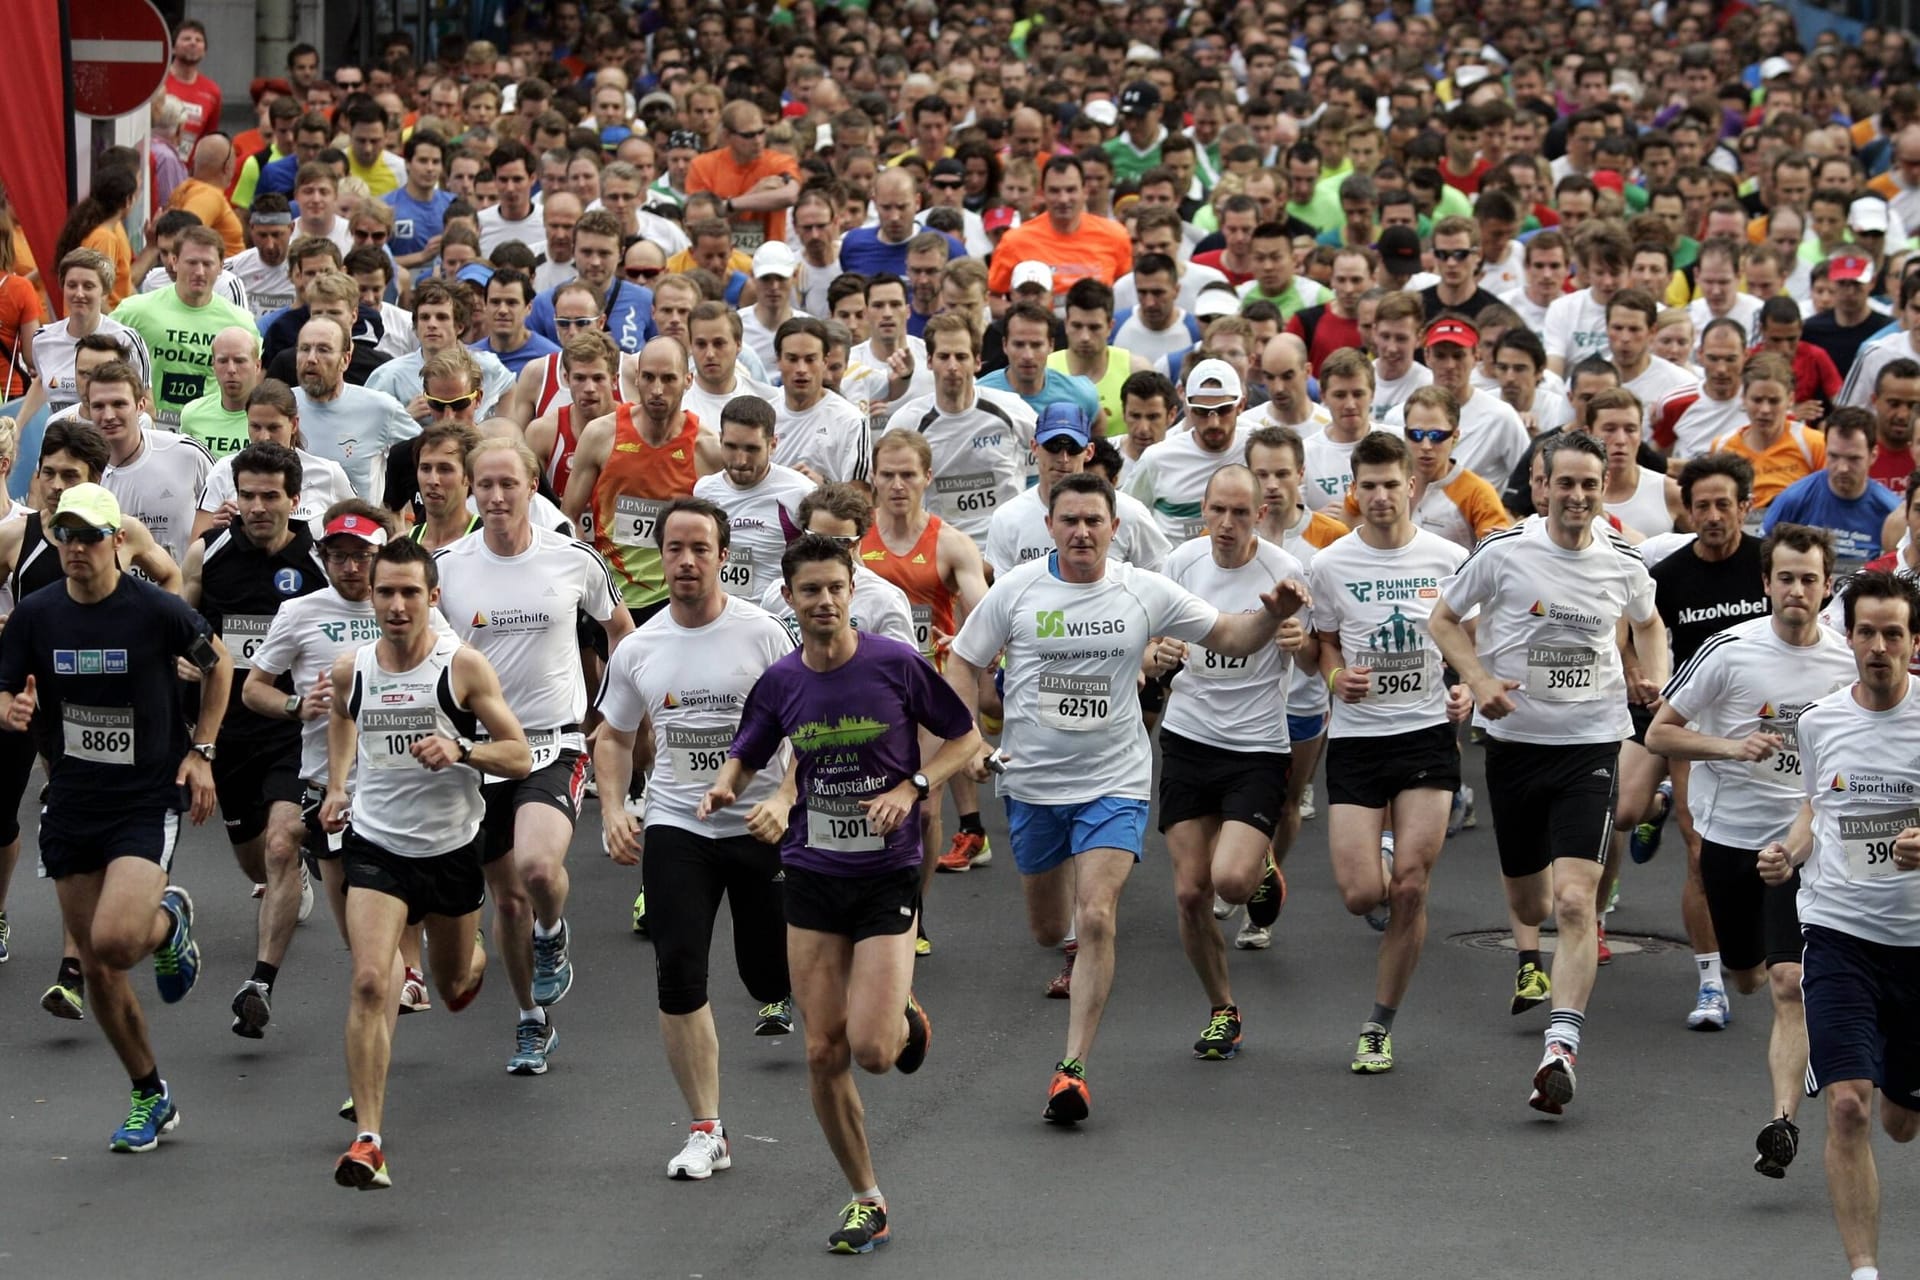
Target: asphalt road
1278 1163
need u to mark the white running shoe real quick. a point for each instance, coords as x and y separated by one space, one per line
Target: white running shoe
1222 909
1253 938
306 894
704 1155
1711 1012
413 993
1306 803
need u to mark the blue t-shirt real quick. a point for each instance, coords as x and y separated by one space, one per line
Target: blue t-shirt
1855 524
278 176
104 677
629 319
855 733
415 222
520 357
863 252
1068 387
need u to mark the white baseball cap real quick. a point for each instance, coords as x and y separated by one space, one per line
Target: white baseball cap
1213 378
773 258
1102 112
1033 272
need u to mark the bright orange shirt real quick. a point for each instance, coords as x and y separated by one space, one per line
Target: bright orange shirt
918 574
1799 452
110 238
1099 248
209 204
632 489
717 171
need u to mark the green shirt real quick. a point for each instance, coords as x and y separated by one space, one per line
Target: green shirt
180 340
1129 162
221 431
1299 294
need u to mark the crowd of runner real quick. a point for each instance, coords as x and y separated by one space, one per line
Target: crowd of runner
764 424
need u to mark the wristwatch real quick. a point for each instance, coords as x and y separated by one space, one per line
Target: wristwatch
204 750
921 785
466 748
292 706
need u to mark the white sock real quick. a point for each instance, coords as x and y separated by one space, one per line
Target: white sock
535 1014
367 1135
541 931
1709 964
871 1195
1865 1273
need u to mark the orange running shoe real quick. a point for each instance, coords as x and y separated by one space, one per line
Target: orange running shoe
1061 987
1069 1098
968 850
363 1168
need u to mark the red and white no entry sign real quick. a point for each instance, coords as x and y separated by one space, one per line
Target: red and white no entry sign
119 50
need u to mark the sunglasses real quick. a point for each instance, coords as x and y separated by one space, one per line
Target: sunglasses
574 322
1064 445
348 86
1429 435
78 533
948 184
458 404
1452 255
748 133
645 273
1212 410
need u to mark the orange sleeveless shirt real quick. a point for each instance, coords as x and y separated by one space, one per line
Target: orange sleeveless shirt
634 486
918 574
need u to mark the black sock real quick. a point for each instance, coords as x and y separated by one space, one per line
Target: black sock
264 973
70 975
149 1084
1384 1016
970 823
1530 958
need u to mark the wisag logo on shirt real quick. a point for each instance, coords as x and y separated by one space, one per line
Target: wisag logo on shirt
1052 624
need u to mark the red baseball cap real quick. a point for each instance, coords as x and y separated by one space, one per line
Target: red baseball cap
997 219
1457 332
371 532
1608 180
1850 266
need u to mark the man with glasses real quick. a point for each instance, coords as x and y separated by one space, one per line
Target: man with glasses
440 316
1170 478
756 185
1456 256
542 382
626 305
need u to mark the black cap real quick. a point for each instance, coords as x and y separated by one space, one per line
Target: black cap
1139 98
1399 250
685 139
948 167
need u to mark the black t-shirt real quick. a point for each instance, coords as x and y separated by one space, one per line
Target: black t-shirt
104 677
1842 342
1471 308
1698 599
241 588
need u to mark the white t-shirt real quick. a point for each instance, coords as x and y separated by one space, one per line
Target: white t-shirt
1234 704
225 285
306 636
1745 680
757 338
1170 479
1307 693
355 429
878 607
706 406
1858 770
1532 313
1019 534
1660 379
519 612
53 349
1390 394
161 487
760 520
322 483
1575 328
496 230
1328 474
830 438
1378 603
1547 620
1073 727
1509 273
1702 422
690 683
979 455
267 289
1194 277
1745 309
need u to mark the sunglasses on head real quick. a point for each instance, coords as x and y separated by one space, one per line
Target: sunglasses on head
456 405
1429 435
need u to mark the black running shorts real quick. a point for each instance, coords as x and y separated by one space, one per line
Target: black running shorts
1198 780
1551 802
1370 772
856 907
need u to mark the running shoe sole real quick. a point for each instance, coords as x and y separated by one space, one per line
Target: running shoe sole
1067 1105
64 1002
352 1174
250 1014
913 1054
1777 1145
1552 1087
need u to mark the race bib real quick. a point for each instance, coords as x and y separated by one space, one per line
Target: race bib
387 735
1077 704
103 735
634 520
179 389
1397 679
837 824
1783 765
1867 842
736 573
749 236
923 629
1191 529
975 493
698 754
244 633
1562 672
1208 665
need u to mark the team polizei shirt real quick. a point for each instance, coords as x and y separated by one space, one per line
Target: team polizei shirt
1378 602
878 606
1171 480
1748 680
760 520
1858 770
306 636
1235 704
1073 728
979 456
1019 533
1548 619
161 487
519 612
692 682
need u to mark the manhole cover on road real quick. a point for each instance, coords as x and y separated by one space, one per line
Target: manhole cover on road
1622 944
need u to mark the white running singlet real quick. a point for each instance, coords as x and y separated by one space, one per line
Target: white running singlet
398 803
